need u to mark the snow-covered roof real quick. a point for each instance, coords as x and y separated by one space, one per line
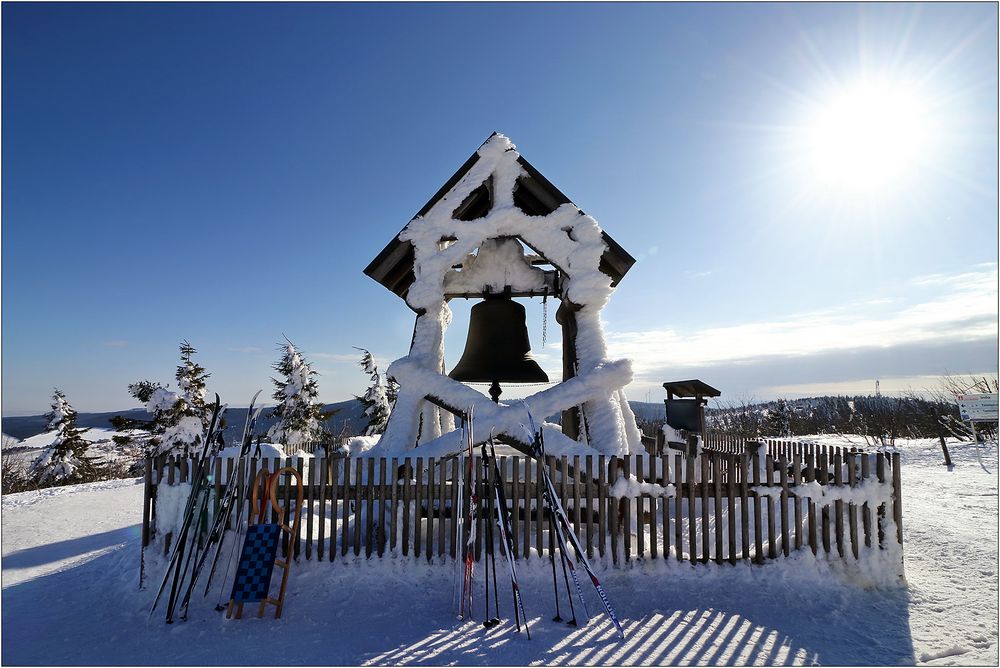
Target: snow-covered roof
534 194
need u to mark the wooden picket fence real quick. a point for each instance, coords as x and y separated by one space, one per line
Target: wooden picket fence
718 507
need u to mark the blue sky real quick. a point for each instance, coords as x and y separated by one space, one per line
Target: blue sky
223 173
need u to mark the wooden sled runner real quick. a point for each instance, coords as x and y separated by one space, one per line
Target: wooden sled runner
260 548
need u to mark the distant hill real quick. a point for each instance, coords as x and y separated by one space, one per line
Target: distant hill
348 418
347 414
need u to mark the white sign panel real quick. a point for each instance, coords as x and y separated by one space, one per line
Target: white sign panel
977 406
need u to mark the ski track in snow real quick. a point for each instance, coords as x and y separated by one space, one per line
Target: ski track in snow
70 596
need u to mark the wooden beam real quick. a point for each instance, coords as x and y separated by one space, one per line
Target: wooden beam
566 317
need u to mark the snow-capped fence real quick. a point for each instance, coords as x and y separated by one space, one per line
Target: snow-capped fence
716 507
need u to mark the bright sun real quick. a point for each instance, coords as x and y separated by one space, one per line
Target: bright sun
865 138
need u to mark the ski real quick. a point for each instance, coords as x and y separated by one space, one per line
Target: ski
489 560
470 520
506 543
459 526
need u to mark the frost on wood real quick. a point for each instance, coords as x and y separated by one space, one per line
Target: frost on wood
508 419
489 256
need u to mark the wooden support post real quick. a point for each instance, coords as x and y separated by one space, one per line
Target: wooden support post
418 494
640 503
785 538
838 506
324 477
772 550
612 509
407 498
731 505
383 483
758 523
602 504
429 549
566 317
678 507
526 496
823 477
589 497
539 506
897 497
852 510
692 509
717 503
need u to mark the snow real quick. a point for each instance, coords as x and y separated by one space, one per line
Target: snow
79 575
632 488
188 431
161 400
500 263
266 450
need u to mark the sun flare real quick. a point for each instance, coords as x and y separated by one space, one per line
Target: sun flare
866 137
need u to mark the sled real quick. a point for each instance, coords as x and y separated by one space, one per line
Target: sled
260 548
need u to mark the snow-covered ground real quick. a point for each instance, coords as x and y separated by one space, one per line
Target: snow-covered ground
70 596
102 448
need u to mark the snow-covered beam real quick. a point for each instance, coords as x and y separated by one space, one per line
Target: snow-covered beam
507 419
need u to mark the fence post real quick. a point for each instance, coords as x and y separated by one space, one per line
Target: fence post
852 509
612 510
897 497
880 472
689 480
147 493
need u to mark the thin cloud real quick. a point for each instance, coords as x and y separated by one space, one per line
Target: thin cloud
965 311
337 357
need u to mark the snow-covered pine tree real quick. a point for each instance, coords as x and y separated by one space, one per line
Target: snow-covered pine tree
299 413
66 458
191 379
777 419
376 399
179 420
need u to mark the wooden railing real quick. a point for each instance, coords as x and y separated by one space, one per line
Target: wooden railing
717 507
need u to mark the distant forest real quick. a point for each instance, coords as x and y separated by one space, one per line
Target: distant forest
879 419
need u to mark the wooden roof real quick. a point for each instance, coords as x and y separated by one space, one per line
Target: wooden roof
691 388
535 195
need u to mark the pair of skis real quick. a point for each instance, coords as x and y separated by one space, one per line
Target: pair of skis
467 523
565 536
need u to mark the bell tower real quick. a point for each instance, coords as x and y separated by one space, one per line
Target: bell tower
499 230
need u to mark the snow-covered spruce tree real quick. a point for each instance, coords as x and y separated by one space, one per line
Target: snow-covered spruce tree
180 421
376 399
66 458
191 379
299 413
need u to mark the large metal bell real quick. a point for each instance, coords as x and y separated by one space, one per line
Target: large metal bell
497 349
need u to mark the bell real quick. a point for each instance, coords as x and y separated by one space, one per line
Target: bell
497 349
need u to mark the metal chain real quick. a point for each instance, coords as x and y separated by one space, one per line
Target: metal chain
545 318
